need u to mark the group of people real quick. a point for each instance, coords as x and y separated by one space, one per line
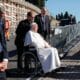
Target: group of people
24 26
34 30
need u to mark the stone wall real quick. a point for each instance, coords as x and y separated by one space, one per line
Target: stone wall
16 10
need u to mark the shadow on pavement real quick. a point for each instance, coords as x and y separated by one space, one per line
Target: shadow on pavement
76 56
14 73
70 73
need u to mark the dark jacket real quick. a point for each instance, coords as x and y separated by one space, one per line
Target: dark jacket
4 53
22 29
39 21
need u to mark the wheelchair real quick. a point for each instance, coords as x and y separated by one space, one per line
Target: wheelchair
31 63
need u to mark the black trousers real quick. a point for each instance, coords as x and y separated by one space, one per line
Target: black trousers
19 53
3 76
26 59
3 79
44 34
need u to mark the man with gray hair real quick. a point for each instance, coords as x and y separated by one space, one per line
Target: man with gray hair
47 55
43 22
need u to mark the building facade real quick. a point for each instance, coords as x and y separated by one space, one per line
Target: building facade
16 10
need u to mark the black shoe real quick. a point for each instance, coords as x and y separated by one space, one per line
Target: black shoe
47 74
62 68
19 70
59 69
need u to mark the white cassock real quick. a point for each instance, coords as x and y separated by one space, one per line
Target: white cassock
48 56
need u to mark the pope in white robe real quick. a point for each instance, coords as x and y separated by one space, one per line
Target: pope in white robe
47 55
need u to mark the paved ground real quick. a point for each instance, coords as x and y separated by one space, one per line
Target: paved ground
71 63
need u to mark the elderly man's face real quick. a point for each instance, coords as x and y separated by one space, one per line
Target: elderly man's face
43 11
35 27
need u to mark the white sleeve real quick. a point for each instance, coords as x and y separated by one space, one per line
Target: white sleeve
5 59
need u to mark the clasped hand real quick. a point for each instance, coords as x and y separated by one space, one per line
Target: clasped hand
3 66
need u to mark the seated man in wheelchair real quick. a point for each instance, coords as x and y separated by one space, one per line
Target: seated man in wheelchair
47 55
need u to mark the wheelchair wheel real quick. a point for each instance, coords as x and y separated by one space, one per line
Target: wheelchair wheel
29 63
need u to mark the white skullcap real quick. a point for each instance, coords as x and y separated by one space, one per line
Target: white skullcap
34 23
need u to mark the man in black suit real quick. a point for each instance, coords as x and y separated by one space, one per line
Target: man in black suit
22 29
43 22
3 50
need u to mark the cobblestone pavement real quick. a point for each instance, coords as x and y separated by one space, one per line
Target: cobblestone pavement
71 71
